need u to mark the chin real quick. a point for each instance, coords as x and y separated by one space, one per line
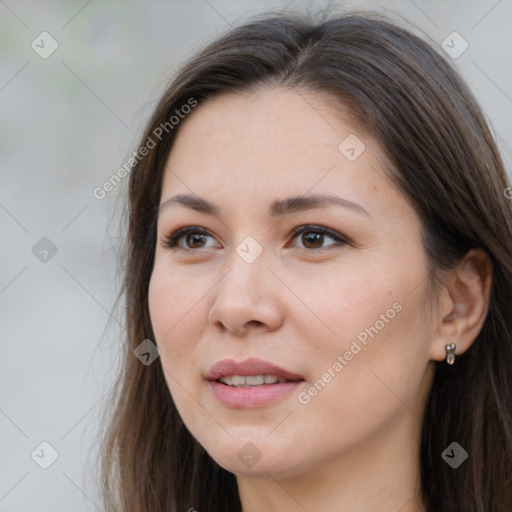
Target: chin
257 459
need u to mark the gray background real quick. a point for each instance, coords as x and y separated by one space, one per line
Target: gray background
68 122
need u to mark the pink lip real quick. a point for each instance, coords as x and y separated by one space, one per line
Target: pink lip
256 396
229 367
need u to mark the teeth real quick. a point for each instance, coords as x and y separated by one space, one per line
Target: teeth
245 381
255 380
237 380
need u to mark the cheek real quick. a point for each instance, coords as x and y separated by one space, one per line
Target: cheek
174 306
341 310
174 303
367 376
374 339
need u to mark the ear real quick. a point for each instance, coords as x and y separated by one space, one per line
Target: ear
464 304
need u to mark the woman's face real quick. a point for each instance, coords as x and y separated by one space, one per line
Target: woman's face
242 301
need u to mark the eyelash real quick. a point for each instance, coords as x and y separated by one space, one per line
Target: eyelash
171 240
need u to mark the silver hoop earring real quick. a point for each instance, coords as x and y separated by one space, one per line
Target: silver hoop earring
450 353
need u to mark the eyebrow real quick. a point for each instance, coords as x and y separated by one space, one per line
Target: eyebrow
277 208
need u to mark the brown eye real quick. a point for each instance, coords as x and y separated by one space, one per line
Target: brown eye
313 237
195 240
312 240
193 237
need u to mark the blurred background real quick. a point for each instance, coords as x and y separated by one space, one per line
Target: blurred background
78 80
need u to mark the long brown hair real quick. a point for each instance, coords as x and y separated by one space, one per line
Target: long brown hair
442 156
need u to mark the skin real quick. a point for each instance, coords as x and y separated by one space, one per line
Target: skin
355 445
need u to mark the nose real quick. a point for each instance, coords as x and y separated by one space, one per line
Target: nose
248 298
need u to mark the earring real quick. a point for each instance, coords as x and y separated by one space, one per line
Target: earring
450 353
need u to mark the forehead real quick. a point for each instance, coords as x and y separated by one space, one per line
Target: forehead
274 123
275 142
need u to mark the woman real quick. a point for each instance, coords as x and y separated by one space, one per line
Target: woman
319 244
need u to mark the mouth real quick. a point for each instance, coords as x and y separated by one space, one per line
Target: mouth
247 381
251 383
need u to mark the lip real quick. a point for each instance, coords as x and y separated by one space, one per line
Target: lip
229 367
254 396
